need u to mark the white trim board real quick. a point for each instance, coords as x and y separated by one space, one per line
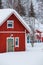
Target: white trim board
25 40
12 31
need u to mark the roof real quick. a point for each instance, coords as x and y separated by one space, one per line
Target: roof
4 13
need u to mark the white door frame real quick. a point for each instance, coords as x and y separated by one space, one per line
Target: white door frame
7 43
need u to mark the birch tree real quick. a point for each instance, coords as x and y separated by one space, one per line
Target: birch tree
1 4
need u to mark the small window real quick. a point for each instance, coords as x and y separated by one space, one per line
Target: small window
10 24
27 39
17 41
38 40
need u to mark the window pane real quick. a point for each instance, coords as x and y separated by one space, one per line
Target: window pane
9 25
16 41
27 39
39 40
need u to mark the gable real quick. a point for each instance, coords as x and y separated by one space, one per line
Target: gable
10 11
18 26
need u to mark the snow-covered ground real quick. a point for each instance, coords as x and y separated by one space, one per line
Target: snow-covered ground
34 56
22 58
37 47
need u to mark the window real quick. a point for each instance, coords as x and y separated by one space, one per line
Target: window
28 39
17 41
38 40
10 24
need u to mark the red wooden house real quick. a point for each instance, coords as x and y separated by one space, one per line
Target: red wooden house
39 35
38 31
13 31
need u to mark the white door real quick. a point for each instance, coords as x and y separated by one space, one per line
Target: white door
10 44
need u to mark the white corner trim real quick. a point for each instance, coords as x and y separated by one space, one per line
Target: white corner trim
15 41
7 43
25 40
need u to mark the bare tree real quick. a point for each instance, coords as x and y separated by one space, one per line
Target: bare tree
15 4
8 3
1 4
31 12
20 8
32 23
40 11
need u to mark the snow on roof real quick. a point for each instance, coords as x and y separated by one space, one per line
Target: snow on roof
32 57
4 13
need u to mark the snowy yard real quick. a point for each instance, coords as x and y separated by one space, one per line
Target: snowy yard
34 56
37 47
22 58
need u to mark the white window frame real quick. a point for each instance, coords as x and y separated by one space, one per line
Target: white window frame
15 41
8 22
